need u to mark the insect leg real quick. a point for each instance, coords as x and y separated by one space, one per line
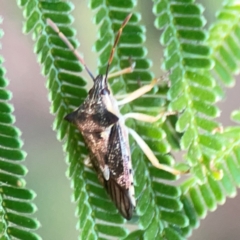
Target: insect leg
126 98
123 71
138 93
147 118
150 155
87 162
70 46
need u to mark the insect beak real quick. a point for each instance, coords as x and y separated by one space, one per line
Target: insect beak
71 117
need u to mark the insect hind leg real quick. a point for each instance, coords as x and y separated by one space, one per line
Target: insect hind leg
150 155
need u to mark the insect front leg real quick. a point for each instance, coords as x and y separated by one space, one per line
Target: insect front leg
150 155
147 118
123 71
136 94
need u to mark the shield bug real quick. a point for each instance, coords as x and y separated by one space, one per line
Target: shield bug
103 128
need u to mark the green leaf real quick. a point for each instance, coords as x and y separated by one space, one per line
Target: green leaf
236 116
111 230
197 202
162 211
22 221
22 234
19 206
16 206
223 38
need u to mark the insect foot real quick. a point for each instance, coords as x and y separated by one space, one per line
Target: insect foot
151 156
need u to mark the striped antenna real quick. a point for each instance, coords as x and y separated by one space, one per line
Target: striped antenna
116 42
70 46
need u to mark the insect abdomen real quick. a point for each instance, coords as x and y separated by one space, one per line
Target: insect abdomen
120 185
120 197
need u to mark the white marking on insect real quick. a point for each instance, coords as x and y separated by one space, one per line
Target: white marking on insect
106 172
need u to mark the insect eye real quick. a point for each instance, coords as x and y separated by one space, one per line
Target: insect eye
105 91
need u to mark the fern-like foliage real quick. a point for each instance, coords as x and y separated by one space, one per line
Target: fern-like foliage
15 199
163 211
187 56
224 40
213 154
98 218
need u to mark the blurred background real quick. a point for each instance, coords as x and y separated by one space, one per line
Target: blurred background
45 160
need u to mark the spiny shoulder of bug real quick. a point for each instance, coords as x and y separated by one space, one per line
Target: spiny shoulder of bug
99 110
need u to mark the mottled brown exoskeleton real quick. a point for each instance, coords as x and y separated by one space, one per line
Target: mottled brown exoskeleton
103 128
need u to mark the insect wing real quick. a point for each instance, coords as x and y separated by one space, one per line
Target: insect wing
120 183
120 196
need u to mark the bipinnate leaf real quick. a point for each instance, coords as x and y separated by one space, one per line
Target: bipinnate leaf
16 206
